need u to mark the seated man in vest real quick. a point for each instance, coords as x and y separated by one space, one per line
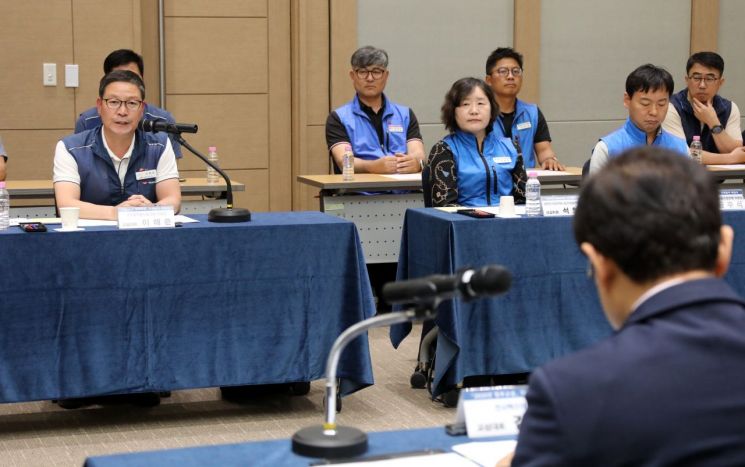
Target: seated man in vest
699 110
384 136
125 59
519 121
115 164
647 96
668 387
3 160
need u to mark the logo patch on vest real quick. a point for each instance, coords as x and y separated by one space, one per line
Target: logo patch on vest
145 174
394 128
502 159
524 126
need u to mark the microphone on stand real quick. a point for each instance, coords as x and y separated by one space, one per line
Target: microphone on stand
226 214
467 284
333 441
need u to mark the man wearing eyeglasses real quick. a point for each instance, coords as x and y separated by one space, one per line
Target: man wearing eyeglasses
115 164
519 121
125 59
698 110
384 136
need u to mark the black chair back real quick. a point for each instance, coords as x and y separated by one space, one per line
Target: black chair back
427 186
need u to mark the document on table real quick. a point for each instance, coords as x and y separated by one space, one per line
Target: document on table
728 167
405 177
548 173
88 222
486 453
448 459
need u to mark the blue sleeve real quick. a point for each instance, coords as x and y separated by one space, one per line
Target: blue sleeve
540 442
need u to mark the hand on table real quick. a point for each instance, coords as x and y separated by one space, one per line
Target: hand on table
406 164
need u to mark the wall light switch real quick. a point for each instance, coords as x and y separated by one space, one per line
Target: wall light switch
50 74
71 76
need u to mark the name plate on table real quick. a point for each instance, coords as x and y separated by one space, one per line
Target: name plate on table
731 200
492 411
146 217
559 205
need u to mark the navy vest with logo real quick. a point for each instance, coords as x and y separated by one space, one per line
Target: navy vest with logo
99 181
692 126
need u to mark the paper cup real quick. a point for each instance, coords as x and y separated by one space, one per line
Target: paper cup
69 218
506 206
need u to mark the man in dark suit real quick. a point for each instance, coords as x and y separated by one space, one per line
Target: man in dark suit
669 387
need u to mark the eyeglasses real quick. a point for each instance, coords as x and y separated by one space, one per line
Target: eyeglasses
363 73
504 71
114 104
709 79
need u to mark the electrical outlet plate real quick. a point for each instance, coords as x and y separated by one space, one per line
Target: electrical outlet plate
49 74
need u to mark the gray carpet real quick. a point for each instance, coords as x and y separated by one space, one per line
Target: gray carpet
42 434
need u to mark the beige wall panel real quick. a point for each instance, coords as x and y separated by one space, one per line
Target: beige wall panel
315 163
30 39
216 55
236 124
280 118
256 196
527 41
256 8
704 25
317 62
31 152
343 44
95 37
731 40
150 49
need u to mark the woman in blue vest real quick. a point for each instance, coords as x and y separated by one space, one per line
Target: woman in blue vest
472 166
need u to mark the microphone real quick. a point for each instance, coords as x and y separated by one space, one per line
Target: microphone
468 284
156 126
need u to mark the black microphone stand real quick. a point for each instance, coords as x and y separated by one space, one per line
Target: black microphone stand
330 440
229 213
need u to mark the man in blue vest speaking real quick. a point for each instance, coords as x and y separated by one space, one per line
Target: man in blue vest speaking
647 96
699 110
115 164
518 120
384 136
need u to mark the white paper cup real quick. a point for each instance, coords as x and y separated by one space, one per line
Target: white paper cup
69 218
506 206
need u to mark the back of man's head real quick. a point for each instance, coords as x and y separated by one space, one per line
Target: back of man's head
649 78
124 76
653 213
499 54
707 59
368 56
123 57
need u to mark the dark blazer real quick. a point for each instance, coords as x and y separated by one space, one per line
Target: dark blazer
667 389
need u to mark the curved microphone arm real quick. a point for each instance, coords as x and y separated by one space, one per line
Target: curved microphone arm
229 192
348 336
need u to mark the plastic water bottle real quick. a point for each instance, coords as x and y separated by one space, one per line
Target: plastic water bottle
4 207
533 195
696 149
212 176
347 170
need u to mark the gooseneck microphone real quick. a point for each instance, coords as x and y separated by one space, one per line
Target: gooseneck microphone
226 214
156 126
468 284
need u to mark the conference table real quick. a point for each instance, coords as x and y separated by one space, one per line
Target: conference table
278 453
379 218
107 311
551 310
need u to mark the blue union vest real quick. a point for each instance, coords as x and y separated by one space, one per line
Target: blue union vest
629 136
362 134
524 127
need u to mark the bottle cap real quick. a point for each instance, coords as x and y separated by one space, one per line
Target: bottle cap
212 149
532 174
697 138
2 184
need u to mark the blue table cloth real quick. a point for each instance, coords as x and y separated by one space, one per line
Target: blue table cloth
279 453
551 310
109 311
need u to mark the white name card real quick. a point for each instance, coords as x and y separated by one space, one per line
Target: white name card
492 411
559 205
146 217
731 200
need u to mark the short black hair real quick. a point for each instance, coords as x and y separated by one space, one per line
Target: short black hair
125 76
653 212
459 91
123 57
707 59
649 77
499 54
